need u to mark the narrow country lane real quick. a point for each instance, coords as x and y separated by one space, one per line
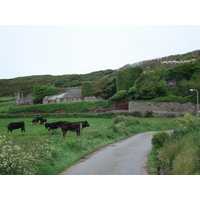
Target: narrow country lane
126 157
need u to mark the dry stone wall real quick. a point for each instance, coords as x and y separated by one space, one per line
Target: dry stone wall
162 109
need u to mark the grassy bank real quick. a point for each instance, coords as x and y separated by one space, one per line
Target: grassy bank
36 152
177 153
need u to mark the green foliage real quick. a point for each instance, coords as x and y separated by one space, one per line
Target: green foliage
149 114
177 153
159 139
127 77
87 89
105 87
119 95
132 90
181 157
25 84
137 114
73 107
183 71
150 85
173 98
189 121
40 91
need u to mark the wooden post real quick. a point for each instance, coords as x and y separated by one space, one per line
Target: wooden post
81 127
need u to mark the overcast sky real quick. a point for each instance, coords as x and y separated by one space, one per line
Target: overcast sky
77 37
57 50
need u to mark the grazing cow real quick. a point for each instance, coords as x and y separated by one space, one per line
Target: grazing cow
39 119
43 121
73 126
16 125
34 121
53 125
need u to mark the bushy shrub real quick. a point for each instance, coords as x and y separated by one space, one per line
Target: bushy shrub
119 95
188 121
159 139
137 114
173 98
126 120
149 114
40 91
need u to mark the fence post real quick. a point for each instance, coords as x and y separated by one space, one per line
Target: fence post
81 127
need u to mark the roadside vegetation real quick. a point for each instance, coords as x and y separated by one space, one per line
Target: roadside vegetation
177 153
38 151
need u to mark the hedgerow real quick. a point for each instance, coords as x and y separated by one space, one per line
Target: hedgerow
73 107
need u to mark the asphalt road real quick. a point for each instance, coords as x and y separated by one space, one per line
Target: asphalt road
127 157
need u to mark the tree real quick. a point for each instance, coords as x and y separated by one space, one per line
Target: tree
183 71
40 91
105 87
149 85
87 89
127 77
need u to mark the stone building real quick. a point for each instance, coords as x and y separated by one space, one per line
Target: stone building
73 94
21 101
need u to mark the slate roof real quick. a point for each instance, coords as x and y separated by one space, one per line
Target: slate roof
69 94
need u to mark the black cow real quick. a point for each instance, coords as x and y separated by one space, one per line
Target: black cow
43 121
16 125
39 119
73 126
53 125
34 121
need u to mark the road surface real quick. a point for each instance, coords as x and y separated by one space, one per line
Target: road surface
126 157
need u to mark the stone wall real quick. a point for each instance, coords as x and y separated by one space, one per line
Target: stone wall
162 109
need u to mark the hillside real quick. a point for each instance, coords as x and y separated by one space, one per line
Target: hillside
25 84
178 57
107 82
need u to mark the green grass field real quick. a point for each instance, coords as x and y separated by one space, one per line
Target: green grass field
38 152
5 103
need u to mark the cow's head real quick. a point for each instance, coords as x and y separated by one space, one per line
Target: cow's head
85 124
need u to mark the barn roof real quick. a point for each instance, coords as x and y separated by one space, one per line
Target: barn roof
69 94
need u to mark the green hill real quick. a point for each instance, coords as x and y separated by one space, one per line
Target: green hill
25 84
168 76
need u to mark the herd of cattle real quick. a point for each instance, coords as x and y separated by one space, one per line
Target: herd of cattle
64 125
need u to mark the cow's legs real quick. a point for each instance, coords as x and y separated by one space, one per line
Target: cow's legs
64 134
78 133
